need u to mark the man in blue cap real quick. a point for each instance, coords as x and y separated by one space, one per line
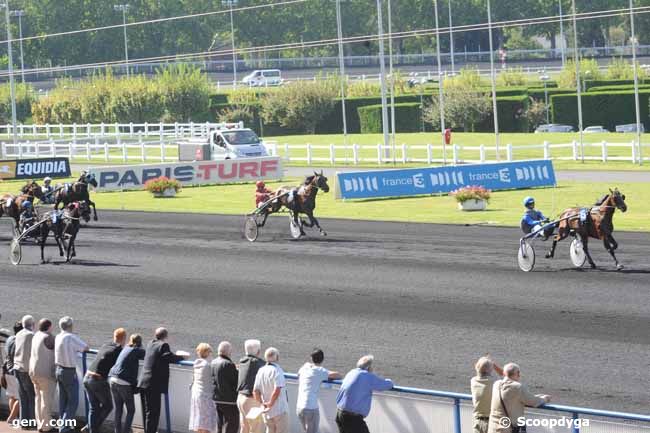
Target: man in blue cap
534 220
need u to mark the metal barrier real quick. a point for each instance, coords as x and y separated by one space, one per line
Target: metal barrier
574 413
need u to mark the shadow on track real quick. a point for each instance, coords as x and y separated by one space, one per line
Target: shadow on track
93 263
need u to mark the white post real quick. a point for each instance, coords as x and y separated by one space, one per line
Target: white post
482 153
634 158
131 129
146 128
429 153
105 148
52 149
378 153
274 148
47 130
355 153
575 150
117 128
88 130
455 154
509 154
163 152
88 157
102 129
547 150
603 147
404 158
70 148
125 155
332 155
308 153
143 153
286 152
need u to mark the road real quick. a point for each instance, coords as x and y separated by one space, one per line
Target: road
426 300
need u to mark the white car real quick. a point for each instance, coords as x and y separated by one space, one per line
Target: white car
263 78
594 130
554 127
631 127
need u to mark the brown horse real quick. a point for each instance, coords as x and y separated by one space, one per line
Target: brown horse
598 224
78 191
64 223
11 205
303 200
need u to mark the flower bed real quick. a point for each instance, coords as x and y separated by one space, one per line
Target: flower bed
162 185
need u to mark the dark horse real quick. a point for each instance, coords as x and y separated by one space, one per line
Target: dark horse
78 191
303 200
64 223
11 205
598 225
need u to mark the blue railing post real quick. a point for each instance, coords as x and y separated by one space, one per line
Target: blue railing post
576 426
168 414
84 369
457 427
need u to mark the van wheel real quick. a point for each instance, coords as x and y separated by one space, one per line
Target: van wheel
227 157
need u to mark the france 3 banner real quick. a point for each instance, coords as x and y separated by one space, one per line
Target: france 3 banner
436 180
128 177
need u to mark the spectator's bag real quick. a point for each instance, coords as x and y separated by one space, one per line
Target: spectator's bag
514 428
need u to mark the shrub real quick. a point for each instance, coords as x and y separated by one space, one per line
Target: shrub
619 69
408 118
511 77
186 92
160 184
24 100
588 69
535 114
471 193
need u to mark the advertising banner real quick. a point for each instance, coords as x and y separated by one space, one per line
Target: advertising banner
34 168
125 177
436 180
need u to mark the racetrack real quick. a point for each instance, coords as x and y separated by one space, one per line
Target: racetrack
426 300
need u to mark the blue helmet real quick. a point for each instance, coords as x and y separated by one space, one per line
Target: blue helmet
27 204
528 201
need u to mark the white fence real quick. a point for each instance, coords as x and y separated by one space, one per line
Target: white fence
455 154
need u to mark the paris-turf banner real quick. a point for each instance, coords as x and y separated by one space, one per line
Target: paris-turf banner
436 180
125 177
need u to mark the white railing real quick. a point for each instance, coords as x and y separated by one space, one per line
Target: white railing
356 154
77 131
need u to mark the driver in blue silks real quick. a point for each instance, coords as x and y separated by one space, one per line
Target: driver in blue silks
26 216
534 220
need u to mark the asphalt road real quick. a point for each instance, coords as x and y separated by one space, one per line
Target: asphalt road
426 300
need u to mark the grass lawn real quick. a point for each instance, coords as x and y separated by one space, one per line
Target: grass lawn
505 207
345 156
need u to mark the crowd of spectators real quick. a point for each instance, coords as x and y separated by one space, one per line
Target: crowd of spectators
226 397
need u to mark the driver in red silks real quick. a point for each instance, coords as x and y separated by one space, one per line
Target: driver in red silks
262 194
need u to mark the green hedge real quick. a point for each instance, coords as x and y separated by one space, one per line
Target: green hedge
408 118
600 83
512 117
627 87
606 109
537 93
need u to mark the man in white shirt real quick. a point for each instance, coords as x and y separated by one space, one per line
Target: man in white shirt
310 377
66 347
271 392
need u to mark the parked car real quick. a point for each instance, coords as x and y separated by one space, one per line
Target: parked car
554 127
631 127
263 78
594 130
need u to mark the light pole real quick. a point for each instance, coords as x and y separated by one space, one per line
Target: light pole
382 73
339 29
12 83
636 84
494 83
562 42
544 79
20 14
231 3
451 42
576 57
441 98
392 79
123 8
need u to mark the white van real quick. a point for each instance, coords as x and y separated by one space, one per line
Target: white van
230 141
263 78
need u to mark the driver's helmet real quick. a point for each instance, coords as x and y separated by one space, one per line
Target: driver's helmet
26 205
260 184
529 202
47 180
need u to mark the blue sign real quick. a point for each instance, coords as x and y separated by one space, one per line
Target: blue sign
435 180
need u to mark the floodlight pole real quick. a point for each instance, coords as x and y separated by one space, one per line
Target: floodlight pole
636 85
339 29
494 83
123 8
441 101
12 83
382 73
578 86
392 80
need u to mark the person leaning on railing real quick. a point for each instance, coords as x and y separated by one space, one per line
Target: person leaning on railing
248 368
509 399
481 386
355 396
96 381
310 377
123 379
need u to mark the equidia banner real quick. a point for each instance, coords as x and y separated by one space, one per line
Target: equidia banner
126 177
435 180
34 168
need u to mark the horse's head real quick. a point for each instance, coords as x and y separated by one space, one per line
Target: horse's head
79 210
90 179
618 200
320 181
32 189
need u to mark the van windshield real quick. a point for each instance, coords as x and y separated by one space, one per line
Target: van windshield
271 73
241 137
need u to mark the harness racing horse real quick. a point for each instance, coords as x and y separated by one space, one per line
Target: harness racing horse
303 200
78 191
598 225
11 205
64 223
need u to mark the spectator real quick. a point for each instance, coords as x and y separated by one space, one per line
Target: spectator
155 378
96 381
509 398
12 382
123 381
203 414
310 376
22 354
66 347
41 370
248 368
355 396
4 336
271 392
481 386
224 374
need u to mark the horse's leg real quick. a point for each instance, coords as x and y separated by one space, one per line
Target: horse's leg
609 243
45 231
562 233
92 203
298 222
612 242
314 222
71 252
585 240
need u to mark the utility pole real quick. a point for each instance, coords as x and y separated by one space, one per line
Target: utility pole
494 83
123 8
578 86
382 73
20 14
12 83
392 80
231 3
451 41
441 103
636 84
562 41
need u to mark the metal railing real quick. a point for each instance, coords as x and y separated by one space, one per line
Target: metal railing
573 412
